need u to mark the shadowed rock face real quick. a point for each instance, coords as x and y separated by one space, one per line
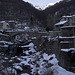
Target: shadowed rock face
14 50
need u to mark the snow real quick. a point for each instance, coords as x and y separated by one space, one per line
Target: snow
18 68
10 60
66 37
19 24
54 61
4 46
19 59
4 35
5 42
46 57
42 32
19 30
12 21
16 30
26 28
65 42
49 39
34 38
2 21
25 74
32 50
40 58
30 45
73 15
13 71
16 64
44 36
24 63
57 70
24 24
68 26
67 16
60 23
6 58
67 50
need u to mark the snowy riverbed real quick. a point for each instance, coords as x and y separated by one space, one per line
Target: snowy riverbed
33 63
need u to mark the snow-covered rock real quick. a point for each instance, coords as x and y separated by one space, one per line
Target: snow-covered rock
25 74
18 68
57 70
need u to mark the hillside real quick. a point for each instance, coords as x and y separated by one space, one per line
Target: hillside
55 12
18 10
62 7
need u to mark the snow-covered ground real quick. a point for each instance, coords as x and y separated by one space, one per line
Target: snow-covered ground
36 62
57 70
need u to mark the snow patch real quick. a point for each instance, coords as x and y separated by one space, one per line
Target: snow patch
57 70
60 23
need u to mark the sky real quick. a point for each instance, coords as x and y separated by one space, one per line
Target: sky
42 2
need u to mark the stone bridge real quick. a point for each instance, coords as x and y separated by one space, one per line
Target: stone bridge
21 34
